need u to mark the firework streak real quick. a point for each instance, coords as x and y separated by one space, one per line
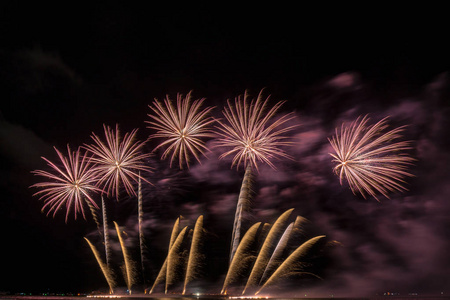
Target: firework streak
106 234
241 258
129 265
105 269
141 232
242 205
173 259
290 262
194 253
163 271
266 250
277 253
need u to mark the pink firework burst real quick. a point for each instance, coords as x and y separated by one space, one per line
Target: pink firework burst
118 161
371 160
70 185
248 132
183 127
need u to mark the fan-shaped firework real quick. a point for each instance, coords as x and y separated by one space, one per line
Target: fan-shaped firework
249 135
266 250
293 261
118 161
370 159
70 184
183 127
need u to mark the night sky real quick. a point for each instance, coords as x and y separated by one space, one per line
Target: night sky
66 70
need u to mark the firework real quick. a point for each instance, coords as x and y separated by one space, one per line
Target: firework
242 259
252 140
242 205
174 259
183 128
266 250
118 160
370 159
292 262
194 253
141 231
109 276
163 271
70 185
129 265
175 232
276 255
106 234
248 132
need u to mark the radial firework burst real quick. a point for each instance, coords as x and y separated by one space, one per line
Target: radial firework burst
249 134
183 127
118 161
71 185
371 160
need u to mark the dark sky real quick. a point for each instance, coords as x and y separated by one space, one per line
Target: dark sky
66 70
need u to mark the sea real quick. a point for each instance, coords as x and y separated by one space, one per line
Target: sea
217 297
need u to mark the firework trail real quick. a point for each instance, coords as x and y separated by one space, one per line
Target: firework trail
290 262
182 128
118 160
106 234
298 234
291 232
161 276
163 271
242 257
109 276
252 140
194 254
129 264
70 186
175 232
266 250
242 205
274 259
94 216
173 259
141 232
370 159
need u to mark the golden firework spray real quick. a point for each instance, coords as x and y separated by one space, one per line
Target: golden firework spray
266 250
109 276
194 253
290 262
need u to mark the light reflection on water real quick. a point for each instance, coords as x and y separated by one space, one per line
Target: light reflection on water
206 297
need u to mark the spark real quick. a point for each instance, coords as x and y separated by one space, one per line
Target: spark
118 160
266 250
242 258
248 132
290 262
370 159
107 272
129 267
70 185
182 128
194 254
